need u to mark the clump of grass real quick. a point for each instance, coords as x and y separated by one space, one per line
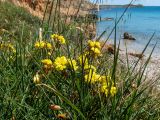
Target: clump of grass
63 75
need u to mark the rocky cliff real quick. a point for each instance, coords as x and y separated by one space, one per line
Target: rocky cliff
67 7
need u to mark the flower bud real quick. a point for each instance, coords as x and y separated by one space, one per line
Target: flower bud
36 79
62 116
55 107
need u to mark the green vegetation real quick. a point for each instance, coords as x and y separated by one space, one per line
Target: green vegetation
60 74
14 19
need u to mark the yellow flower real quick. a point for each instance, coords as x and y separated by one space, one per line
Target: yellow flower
49 53
7 47
105 84
54 36
58 38
39 44
103 79
42 44
60 63
113 91
48 46
104 89
47 65
98 45
92 77
36 79
61 39
94 48
47 62
10 47
90 43
73 64
94 44
96 51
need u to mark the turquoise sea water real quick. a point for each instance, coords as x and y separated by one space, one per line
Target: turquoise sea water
140 22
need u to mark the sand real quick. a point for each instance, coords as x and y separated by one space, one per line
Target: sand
152 71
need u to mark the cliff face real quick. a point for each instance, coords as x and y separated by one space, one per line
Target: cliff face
67 7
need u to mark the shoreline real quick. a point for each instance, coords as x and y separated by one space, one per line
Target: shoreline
152 71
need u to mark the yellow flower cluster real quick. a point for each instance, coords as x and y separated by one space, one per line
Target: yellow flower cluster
94 48
47 63
104 89
104 84
94 44
107 87
59 38
6 46
92 77
43 44
113 91
61 63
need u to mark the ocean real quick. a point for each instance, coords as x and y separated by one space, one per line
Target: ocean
140 22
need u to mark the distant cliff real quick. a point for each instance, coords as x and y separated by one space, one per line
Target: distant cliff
120 6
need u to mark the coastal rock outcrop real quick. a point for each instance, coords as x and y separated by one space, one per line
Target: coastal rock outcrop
109 48
127 36
138 55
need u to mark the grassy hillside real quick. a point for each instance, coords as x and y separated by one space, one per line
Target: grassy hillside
14 19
